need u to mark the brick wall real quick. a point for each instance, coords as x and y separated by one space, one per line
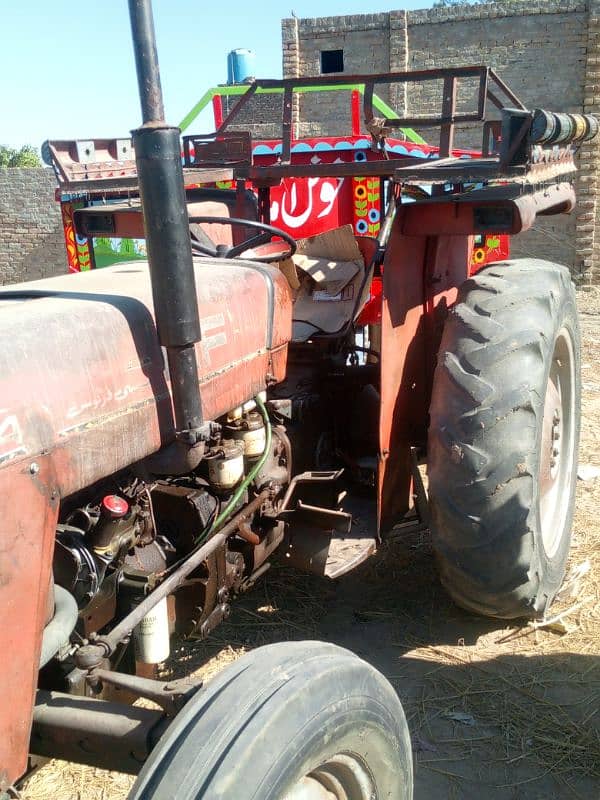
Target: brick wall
547 51
262 115
31 233
366 43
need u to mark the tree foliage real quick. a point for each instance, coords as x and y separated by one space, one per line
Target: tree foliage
26 156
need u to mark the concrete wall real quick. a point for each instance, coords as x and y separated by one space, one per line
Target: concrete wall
31 233
547 51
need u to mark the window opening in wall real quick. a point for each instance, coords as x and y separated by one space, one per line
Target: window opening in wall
332 61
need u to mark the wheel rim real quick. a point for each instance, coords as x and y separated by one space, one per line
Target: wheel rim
558 442
342 777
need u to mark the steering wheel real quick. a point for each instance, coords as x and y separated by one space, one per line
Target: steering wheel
278 251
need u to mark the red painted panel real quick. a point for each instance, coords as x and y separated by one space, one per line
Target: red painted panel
420 278
306 206
403 387
79 255
85 377
82 382
28 515
487 249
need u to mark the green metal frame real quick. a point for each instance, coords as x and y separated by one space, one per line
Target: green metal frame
228 91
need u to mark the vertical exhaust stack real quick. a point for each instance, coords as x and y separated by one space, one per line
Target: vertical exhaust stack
160 176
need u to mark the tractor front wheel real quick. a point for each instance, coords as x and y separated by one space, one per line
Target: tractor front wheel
290 721
503 438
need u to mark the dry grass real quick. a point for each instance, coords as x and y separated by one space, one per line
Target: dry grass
586 535
531 695
529 719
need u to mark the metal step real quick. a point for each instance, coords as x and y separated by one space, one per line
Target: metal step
332 553
346 553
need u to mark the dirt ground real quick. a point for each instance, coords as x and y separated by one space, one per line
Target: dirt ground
496 711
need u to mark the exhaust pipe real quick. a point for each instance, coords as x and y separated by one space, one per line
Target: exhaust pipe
162 193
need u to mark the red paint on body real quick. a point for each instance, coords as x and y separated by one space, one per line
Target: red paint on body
84 394
28 516
420 279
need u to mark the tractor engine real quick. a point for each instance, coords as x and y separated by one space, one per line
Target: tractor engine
117 541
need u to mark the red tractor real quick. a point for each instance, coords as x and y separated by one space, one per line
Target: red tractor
165 427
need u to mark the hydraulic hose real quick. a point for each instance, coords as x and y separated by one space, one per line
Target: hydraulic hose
61 626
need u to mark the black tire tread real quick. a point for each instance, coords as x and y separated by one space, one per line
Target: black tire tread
482 434
192 760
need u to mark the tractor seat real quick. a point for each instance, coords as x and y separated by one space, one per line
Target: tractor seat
330 287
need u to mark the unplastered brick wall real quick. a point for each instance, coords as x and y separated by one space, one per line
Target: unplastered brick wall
31 234
365 41
262 115
547 51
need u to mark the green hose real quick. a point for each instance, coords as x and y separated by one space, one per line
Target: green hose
247 480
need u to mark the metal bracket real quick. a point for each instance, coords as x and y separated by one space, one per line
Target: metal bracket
312 480
171 696
327 519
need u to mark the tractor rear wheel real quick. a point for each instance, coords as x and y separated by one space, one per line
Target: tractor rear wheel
291 721
503 438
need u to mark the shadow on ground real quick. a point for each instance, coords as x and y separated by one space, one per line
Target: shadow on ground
492 713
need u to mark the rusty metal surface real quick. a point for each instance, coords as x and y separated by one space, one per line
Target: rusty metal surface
449 115
228 149
328 554
110 162
489 87
420 277
92 655
544 166
370 81
95 732
124 219
93 164
99 186
171 696
318 547
507 209
97 394
90 159
84 394
275 172
28 513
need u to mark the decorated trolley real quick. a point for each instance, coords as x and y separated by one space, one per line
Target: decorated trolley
97 173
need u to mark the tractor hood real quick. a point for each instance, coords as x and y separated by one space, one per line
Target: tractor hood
83 377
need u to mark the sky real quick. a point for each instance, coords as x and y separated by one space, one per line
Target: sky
67 68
